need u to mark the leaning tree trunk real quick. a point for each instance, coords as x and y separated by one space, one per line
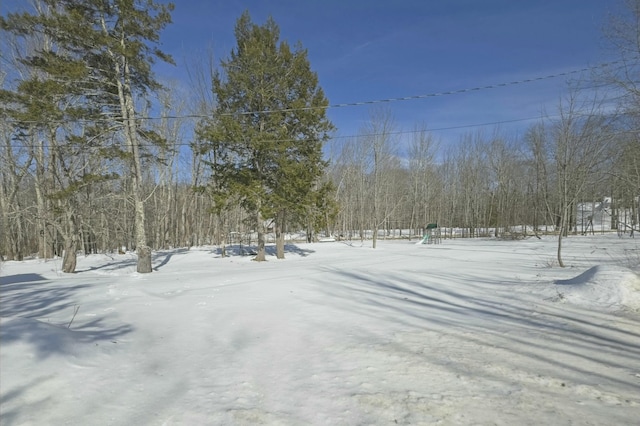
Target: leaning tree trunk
127 114
563 226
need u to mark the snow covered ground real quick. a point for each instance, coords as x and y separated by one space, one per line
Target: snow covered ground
465 332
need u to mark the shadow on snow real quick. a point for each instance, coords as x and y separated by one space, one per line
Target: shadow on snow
28 301
486 315
252 250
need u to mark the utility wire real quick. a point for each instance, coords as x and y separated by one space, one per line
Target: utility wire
474 89
405 132
354 104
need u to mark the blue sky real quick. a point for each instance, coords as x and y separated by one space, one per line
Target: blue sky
368 50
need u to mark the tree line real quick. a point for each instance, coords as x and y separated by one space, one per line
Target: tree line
95 156
489 184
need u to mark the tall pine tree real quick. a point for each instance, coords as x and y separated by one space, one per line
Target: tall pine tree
50 116
268 128
111 45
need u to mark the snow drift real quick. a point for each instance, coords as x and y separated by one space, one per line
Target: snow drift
602 287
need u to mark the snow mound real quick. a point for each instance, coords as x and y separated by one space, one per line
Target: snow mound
604 287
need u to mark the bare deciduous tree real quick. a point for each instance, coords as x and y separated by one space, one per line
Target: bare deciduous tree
580 143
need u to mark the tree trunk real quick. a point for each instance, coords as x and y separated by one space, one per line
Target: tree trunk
280 235
5 235
72 240
70 256
144 259
309 230
563 226
127 111
260 257
560 263
375 230
44 246
142 249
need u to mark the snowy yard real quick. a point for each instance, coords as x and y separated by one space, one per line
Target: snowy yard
465 332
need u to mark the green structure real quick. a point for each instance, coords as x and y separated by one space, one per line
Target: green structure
431 234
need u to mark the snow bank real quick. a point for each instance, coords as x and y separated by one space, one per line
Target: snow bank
602 287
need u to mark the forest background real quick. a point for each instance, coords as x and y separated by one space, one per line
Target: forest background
99 155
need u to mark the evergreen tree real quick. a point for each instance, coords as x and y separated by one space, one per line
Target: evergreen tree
44 109
268 128
108 49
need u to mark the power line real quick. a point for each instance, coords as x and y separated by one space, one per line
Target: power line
354 104
478 88
405 132
424 96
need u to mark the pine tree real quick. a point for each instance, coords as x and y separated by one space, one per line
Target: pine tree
268 128
44 109
110 45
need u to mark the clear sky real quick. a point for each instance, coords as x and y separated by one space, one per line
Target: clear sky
369 50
